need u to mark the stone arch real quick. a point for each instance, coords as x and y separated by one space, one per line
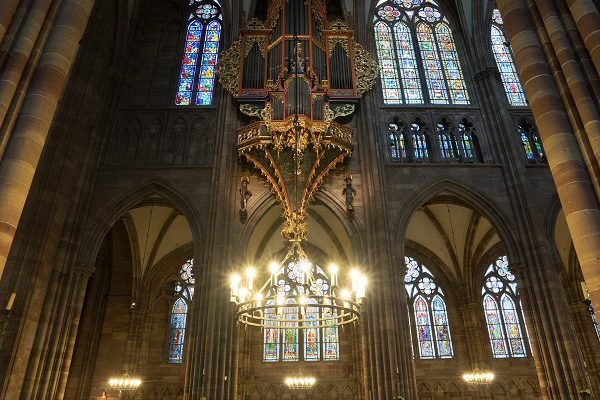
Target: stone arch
104 218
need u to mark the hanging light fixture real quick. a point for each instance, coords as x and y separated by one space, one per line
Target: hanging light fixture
124 383
295 79
300 382
479 377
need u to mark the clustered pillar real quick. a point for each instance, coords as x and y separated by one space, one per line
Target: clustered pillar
574 184
29 134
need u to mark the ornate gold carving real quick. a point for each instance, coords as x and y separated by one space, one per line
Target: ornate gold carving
365 68
255 24
333 41
338 25
275 13
229 67
340 111
259 40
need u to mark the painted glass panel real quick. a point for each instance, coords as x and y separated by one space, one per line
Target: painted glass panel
494 325
409 71
397 144
331 346
441 327
466 140
422 321
512 326
290 334
452 69
420 146
504 61
432 66
178 322
189 63
447 142
271 336
311 335
390 80
210 55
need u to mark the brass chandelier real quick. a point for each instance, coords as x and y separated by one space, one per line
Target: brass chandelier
294 75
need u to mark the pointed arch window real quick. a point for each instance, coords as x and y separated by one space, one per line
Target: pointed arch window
397 142
503 313
200 55
419 141
184 292
417 54
289 344
428 311
531 142
505 62
447 141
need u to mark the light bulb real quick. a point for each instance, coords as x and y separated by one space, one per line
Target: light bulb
333 269
273 267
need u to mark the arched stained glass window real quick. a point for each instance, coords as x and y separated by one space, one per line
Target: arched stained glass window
467 138
530 140
505 61
503 314
201 51
446 141
406 70
420 141
397 141
289 343
184 292
428 308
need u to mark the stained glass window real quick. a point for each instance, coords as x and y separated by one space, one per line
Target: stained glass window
399 24
469 148
504 60
397 141
446 141
530 140
200 55
287 342
420 141
595 321
503 314
429 311
184 292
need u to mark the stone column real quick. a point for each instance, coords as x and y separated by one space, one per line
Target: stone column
586 16
20 57
573 73
7 10
31 130
573 184
588 340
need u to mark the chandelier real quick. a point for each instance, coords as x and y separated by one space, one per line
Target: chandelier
124 383
479 377
300 382
293 75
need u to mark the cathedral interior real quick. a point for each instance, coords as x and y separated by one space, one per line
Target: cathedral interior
299 199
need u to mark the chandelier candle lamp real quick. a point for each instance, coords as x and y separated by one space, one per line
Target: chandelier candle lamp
124 383
479 377
300 382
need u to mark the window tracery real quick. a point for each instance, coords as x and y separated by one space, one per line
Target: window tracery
184 292
201 52
505 62
428 311
531 142
428 73
290 343
503 313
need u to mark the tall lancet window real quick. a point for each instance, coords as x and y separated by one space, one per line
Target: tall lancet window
428 312
200 55
417 54
504 60
184 292
288 343
595 321
503 313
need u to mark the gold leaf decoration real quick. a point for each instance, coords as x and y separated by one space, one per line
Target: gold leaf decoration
228 68
366 69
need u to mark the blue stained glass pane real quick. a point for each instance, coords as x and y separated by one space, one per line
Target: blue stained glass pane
442 329
419 143
178 321
188 64
331 348
290 335
311 335
422 319
506 66
209 60
390 80
494 325
452 69
512 325
271 337
408 64
433 68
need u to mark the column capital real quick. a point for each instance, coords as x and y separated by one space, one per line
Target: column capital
490 71
84 271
